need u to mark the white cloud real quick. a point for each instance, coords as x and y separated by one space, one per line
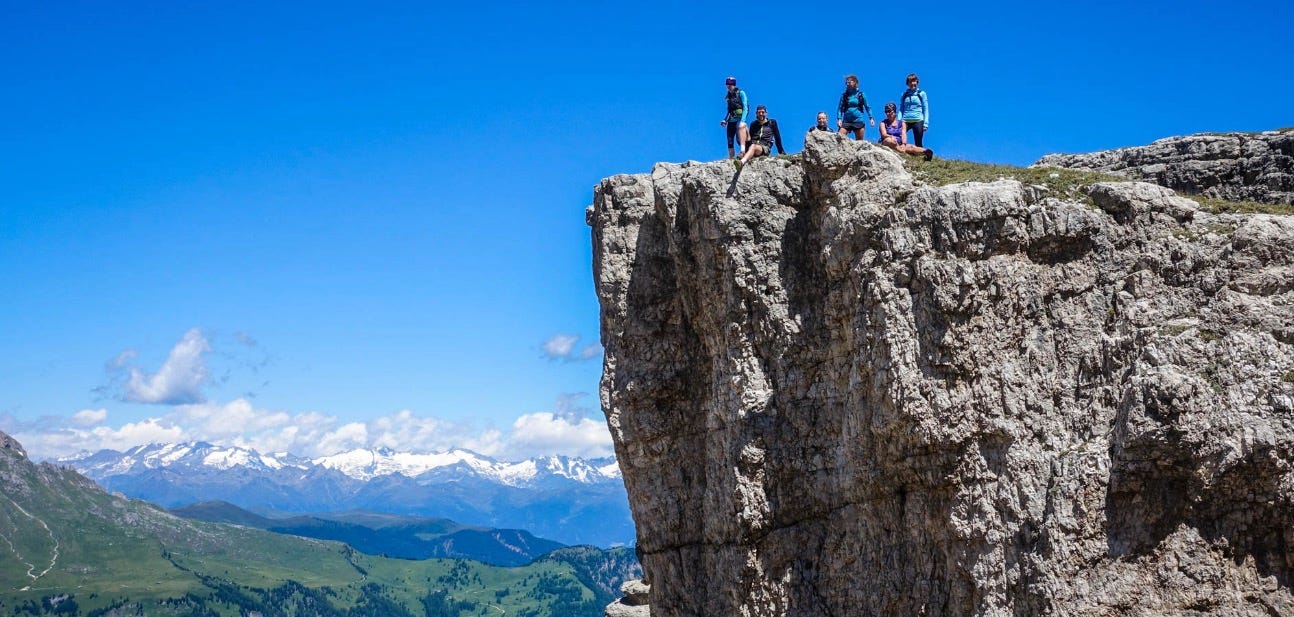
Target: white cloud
564 347
566 430
178 381
67 441
89 417
591 351
543 433
559 346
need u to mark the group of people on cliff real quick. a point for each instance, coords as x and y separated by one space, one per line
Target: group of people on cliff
758 138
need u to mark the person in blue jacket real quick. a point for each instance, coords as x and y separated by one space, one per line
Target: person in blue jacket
735 119
914 108
852 107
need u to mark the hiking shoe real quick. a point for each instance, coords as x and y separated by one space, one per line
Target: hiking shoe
929 154
736 163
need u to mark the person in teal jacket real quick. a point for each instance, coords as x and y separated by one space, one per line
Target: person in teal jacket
849 113
914 108
735 119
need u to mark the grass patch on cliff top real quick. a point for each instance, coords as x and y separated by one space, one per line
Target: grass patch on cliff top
1222 206
1060 182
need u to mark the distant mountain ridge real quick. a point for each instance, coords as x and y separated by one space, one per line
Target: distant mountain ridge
360 464
403 537
570 500
67 547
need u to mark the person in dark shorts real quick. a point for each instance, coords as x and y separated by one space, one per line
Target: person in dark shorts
914 109
894 137
852 108
822 123
735 120
763 136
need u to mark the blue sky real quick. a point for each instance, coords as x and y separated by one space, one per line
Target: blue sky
333 224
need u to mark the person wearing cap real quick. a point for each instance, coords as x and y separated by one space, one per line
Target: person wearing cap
763 136
852 107
894 136
822 123
735 120
915 109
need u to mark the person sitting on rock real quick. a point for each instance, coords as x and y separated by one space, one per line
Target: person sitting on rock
852 107
763 136
822 123
894 137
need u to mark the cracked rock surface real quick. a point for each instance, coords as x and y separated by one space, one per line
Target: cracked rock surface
834 391
1232 166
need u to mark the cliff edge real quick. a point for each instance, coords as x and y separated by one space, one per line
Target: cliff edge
1234 166
836 391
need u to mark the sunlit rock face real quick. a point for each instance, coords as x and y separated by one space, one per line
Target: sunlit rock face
835 391
1233 166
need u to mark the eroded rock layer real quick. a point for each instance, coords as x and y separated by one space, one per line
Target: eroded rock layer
1232 166
835 392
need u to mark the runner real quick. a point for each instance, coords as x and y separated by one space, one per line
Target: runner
849 113
735 121
893 136
916 109
763 136
822 123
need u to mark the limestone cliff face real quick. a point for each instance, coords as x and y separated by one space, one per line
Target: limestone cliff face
1234 166
836 392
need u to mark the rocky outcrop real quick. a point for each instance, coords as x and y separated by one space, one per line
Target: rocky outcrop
633 603
9 445
834 391
1232 166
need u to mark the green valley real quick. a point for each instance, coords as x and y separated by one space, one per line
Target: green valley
69 548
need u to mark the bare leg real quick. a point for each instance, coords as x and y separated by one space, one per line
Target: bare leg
753 151
743 135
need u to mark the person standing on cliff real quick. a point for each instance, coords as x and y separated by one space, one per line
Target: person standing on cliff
735 120
822 123
763 136
852 107
914 108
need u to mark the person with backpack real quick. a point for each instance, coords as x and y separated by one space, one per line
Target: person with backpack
894 136
735 119
915 110
849 113
763 136
822 123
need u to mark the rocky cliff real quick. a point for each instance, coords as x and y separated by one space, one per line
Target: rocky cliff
836 391
1234 166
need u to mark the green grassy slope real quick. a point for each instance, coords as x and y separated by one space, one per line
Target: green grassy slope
67 547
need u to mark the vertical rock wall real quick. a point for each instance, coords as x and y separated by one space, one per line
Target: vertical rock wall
834 392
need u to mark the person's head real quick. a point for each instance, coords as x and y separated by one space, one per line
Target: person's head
913 80
761 111
731 82
851 81
822 118
891 109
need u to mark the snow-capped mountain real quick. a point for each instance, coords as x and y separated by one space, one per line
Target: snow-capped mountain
368 464
191 455
570 500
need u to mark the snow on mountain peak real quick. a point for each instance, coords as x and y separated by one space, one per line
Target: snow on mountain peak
360 464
